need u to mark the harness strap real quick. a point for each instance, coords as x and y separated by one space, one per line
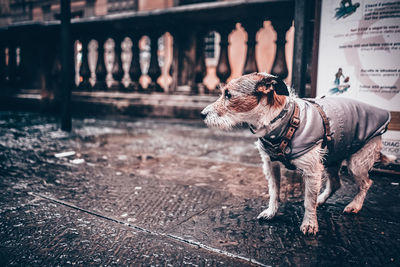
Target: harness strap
253 130
327 127
286 139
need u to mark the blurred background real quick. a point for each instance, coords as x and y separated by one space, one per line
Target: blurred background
175 47
140 180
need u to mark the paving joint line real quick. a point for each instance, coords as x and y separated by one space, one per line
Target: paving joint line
194 215
170 236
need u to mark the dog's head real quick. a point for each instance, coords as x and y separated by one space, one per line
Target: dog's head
245 99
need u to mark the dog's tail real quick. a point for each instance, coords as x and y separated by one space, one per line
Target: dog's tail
386 159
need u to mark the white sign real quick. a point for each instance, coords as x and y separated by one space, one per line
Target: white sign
359 55
359 51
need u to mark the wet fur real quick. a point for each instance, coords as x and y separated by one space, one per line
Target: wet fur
254 101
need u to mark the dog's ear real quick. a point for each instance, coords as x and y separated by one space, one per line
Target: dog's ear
271 86
265 87
280 87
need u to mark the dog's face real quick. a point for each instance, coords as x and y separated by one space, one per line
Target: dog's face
243 99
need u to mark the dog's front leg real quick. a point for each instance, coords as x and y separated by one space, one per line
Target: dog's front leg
312 187
311 166
273 174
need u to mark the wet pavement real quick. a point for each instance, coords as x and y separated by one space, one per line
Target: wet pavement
170 192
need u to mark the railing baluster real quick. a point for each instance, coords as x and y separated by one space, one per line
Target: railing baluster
55 74
46 53
200 69
175 61
12 65
2 64
154 68
84 70
279 67
251 63
135 72
101 71
33 64
72 83
117 71
19 69
28 65
183 61
223 67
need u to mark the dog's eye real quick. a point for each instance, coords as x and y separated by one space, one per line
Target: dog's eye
227 95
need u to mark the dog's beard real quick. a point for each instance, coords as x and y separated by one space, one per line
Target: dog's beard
224 123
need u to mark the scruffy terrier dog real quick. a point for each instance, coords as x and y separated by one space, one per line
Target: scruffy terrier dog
313 136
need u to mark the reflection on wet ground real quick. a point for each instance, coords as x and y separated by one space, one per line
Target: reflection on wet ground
171 193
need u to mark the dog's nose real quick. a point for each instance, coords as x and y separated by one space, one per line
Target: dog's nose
203 115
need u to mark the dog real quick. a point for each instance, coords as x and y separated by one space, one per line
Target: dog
313 136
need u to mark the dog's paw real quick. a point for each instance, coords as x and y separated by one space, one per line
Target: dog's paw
309 227
321 199
352 208
267 214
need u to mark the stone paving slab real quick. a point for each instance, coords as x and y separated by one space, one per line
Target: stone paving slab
169 192
43 233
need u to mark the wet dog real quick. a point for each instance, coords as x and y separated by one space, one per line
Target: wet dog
313 136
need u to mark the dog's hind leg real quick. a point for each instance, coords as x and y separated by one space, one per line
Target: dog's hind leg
332 184
273 174
359 164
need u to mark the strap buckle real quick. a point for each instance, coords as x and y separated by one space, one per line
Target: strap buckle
295 122
328 138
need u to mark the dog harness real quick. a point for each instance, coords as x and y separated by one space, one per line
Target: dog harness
341 125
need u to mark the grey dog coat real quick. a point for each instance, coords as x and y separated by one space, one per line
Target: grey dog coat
352 124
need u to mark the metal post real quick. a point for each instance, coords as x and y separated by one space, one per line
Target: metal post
66 56
300 53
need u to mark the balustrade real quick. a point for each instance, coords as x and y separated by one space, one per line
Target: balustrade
187 26
19 71
252 28
279 67
84 70
154 68
12 65
117 71
54 79
101 71
223 67
2 64
135 72
200 68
